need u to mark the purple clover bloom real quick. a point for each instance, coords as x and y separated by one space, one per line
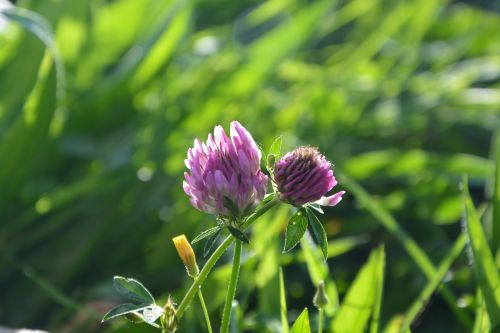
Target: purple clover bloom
304 175
225 173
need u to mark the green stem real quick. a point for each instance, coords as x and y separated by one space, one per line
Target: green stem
205 311
320 325
215 257
231 290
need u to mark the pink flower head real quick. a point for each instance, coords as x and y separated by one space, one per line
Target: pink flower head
225 176
304 175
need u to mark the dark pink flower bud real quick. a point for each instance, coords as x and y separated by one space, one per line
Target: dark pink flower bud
225 172
304 175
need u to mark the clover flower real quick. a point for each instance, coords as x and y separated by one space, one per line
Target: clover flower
225 177
304 175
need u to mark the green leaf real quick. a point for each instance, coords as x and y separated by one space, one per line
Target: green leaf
210 242
283 309
318 232
301 325
274 152
205 234
484 264
40 27
379 277
359 303
496 197
133 290
123 309
481 322
295 230
275 148
238 234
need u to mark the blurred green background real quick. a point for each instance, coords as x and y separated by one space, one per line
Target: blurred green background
402 96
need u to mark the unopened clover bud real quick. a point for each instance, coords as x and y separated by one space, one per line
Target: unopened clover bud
169 318
320 299
186 253
304 175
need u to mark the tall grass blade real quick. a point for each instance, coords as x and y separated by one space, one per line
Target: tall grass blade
361 298
412 248
484 264
283 309
379 278
495 205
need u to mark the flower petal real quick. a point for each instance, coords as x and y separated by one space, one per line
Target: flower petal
332 200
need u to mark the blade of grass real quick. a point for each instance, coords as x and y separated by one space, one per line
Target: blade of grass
41 28
412 248
495 205
359 303
482 322
484 264
420 303
283 310
379 278
51 290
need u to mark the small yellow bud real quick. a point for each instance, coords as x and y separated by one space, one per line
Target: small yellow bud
320 299
169 318
187 255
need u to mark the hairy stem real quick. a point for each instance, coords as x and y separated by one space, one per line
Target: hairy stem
320 324
231 290
205 311
215 257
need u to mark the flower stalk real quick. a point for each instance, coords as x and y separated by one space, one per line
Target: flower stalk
205 311
200 279
231 290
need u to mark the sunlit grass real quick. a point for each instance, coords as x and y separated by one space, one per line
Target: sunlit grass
403 98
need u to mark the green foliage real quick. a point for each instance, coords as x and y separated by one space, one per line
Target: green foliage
318 232
99 101
295 229
301 324
283 308
133 290
486 270
363 296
